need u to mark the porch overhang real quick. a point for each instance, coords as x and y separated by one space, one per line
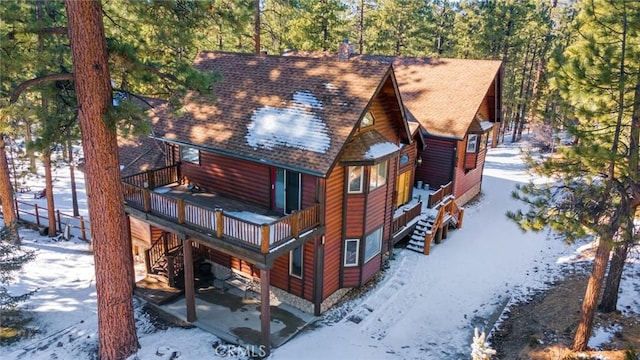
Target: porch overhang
368 148
227 245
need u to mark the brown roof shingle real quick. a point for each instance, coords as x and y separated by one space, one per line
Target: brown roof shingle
444 95
292 112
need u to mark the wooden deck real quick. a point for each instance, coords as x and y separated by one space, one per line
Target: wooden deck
238 228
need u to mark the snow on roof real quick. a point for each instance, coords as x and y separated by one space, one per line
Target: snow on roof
296 126
251 217
380 150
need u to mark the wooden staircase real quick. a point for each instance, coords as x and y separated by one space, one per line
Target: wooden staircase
432 228
165 276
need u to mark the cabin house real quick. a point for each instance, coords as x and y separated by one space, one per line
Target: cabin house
298 174
457 102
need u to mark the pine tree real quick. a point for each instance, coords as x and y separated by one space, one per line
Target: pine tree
12 259
595 190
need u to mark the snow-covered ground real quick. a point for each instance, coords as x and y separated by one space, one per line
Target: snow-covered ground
425 307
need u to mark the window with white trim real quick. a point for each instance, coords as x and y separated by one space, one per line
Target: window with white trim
351 252
377 175
472 143
373 244
295 261
189 154
355 179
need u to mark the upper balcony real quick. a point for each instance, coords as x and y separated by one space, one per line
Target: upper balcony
238 228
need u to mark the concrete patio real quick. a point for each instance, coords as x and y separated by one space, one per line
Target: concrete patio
234 316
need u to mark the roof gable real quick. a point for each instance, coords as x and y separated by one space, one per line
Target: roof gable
292 112
444 95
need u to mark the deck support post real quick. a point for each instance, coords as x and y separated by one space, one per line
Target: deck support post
265 311
189 286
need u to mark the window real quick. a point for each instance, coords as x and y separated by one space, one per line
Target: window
472 143
378 176
367 121
373 244
189 154
351 252
295 262
355 179
404 159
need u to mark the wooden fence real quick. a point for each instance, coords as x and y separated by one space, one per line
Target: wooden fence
38 215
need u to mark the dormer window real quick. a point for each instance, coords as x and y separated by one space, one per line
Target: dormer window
367 121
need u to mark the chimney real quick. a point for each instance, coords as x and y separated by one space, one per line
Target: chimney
344 50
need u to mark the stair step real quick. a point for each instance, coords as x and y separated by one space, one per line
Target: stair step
416 243
415 248
417 238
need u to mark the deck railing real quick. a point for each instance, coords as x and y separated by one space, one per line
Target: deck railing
262 236
152 179
439 195
406 217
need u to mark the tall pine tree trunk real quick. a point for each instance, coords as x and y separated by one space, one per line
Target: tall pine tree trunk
612 286
51 208
581 338
610 296
111 244
72 180
256 26
6 196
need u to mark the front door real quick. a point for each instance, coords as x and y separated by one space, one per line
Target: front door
286 191
403 188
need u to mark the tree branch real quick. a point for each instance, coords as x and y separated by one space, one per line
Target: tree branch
38 81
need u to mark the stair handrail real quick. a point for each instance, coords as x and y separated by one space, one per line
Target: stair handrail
428 236
154 253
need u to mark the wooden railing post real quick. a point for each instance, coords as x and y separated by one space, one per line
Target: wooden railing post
219 223
460 217
264 238
151 180
170 271
147 260
165 243
17 209
36 213
82 229
295 224
180 205
59 221
146 200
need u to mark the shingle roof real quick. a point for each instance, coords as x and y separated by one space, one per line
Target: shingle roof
289 111
369 147
139 154
444 95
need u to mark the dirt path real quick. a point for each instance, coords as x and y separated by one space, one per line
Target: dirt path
543 328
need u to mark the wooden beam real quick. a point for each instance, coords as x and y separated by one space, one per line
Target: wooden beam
189 286
265 311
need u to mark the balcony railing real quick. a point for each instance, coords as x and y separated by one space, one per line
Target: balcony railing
441 194
263 237
405 218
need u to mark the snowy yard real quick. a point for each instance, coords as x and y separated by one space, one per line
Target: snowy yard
425 307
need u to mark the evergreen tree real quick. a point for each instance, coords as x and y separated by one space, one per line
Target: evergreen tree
596 190
12 259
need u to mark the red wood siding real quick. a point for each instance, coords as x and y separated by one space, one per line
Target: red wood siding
333 235
437 162
467 180
309 192
308 274
280 272
155 233
140 230
389 202
355 215
376 209
217 256
235 178
371 268
386 113
351 276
